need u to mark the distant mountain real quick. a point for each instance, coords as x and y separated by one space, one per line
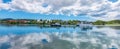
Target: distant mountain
7 19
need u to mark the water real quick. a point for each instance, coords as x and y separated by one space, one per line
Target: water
37 37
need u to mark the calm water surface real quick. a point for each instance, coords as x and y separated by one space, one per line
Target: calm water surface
36 37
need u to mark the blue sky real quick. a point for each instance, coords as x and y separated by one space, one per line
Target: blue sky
50 9
6 1
27 15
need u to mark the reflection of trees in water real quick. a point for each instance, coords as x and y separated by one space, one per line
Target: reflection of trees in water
113 27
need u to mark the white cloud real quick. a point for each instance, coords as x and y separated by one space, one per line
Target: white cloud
97 9
0 1
4 6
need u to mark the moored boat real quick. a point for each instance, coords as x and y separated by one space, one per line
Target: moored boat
85 25
55 25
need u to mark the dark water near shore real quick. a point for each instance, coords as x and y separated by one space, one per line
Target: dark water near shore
38 37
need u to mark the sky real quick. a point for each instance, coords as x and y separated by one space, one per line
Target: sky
88 10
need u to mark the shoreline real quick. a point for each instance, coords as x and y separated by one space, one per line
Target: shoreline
36 25
61 25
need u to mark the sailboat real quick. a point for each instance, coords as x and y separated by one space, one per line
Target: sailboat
85 25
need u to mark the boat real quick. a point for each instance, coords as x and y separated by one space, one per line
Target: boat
113 47
84 26
55 25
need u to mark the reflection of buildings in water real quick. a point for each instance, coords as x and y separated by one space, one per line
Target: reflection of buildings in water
85 29
85 25
74 27
57 28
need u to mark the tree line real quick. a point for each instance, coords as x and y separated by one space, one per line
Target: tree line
49 22
40 22
100 22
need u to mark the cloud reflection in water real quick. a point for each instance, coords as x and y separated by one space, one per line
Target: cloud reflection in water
102 38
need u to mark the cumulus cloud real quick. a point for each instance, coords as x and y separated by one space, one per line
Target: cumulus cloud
102 9
0 1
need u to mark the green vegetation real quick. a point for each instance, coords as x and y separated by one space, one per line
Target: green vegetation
112 22
62 22
99 22
39 22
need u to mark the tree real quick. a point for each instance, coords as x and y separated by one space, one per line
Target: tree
99 22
